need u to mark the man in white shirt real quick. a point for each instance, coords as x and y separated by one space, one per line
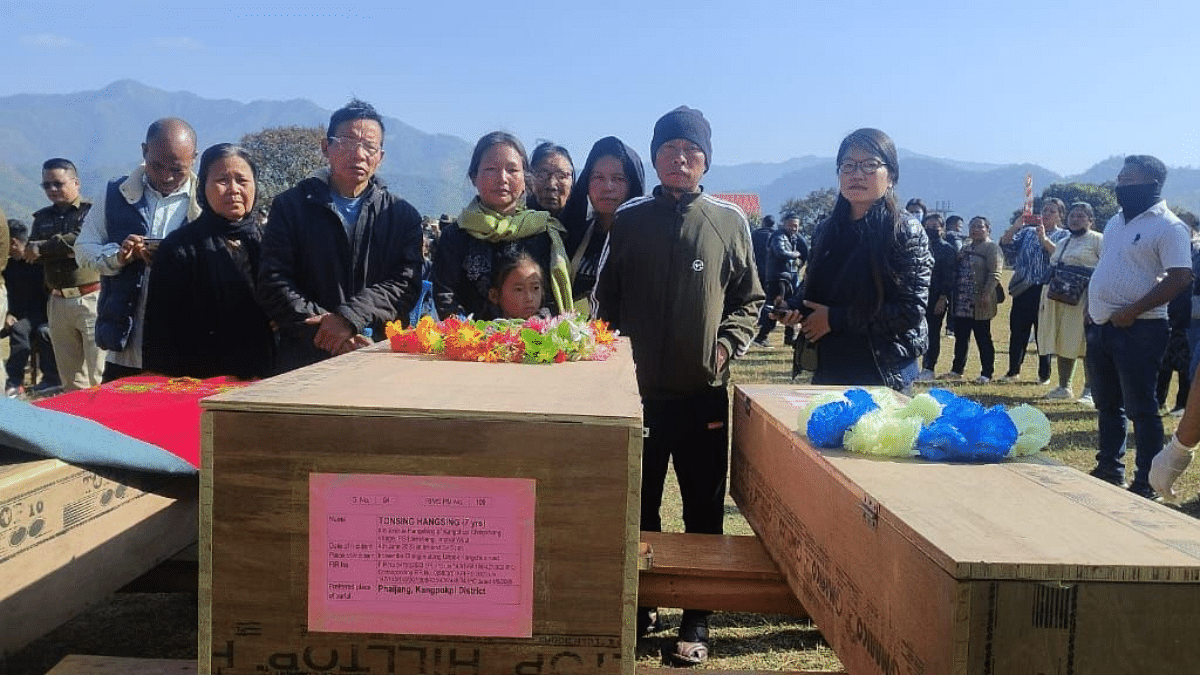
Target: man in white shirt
1146 262
121 232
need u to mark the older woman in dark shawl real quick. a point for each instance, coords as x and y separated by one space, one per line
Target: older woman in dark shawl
202 319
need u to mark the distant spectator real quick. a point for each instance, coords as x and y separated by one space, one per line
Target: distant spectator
341 253
1027 247
202 317
1178 357
1061 325
976 283
917 208
4 248
941 291
497 224
74 290
120 234
1146 262
954 232
25 321
786 255
760 238
611 176
553 176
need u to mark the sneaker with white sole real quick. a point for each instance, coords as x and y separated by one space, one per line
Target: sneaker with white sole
925 376
982 379
1007 379
1060 393
950 376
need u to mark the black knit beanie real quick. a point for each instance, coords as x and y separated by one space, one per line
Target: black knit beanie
686 123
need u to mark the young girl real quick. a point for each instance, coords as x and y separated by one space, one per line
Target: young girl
517 287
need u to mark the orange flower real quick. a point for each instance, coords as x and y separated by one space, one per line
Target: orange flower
603 335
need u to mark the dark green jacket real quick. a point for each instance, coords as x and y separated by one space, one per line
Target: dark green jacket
55 232
678 278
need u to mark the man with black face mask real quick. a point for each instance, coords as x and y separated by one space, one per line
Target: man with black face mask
1146 261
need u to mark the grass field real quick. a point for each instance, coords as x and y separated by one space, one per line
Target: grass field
742 641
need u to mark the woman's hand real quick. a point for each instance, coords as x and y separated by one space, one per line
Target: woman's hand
816 325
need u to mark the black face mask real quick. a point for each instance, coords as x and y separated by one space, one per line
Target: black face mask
1135 199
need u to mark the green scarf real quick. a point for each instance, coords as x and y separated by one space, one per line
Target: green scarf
483 223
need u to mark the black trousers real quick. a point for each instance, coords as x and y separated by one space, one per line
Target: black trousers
115 371
694 433
934 323
23 338
1022 320
982 330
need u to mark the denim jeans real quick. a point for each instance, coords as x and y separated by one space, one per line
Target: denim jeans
1122 367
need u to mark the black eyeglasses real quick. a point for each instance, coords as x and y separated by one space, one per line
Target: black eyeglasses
56 184
867 166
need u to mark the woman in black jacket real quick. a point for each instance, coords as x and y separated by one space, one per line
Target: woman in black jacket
202 319
611 176
869 329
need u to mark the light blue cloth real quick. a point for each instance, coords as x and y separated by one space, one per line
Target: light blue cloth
77 440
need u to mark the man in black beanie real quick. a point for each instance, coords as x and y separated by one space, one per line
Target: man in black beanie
678 278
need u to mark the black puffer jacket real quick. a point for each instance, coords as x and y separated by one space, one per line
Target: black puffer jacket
310 267
896 331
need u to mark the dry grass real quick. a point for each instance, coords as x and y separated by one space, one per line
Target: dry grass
752 642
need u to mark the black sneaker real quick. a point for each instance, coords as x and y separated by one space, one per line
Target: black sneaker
1144 490
1107 477
647 621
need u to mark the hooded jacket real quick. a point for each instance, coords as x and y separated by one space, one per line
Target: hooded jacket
576 216
678 278
310 266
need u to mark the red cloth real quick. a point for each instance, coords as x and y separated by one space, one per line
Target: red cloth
159 410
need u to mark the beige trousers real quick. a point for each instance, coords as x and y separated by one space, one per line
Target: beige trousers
73 335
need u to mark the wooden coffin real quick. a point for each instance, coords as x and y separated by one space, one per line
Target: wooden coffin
1014 568
405 514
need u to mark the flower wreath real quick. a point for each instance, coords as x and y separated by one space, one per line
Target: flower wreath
538 339
938 425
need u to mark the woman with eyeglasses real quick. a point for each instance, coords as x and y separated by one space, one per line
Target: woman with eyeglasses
611 176
495 226
867 282
553 177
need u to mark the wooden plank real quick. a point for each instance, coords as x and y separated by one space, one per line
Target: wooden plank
918 567
107 665
111 665
69 536
647 670
717 572
254 544
374 381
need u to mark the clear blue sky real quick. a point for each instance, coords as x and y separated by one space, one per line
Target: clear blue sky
1063 84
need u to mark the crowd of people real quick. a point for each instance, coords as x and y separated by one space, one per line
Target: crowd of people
175 273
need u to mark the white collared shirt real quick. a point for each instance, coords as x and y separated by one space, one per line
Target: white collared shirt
1135 257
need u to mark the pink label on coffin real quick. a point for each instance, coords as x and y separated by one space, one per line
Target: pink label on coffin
421 555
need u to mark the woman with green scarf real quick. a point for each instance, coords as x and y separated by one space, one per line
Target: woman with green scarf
497 224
